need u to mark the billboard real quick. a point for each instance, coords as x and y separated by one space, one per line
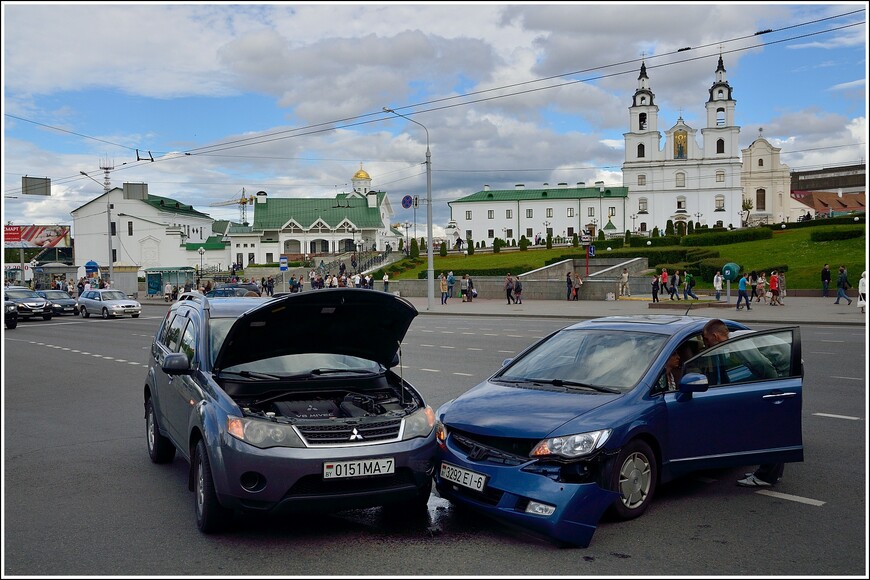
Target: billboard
36 236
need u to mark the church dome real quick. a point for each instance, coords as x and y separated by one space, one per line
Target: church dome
361 174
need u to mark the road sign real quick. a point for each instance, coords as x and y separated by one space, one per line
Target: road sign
407 202
591 251
584 239
282 264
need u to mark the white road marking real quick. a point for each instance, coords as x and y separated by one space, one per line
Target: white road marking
471 348
507 351
790 497
464 374
837 416
849 378
442 346
832 341
431 370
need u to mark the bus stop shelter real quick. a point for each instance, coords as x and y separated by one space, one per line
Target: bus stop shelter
156 278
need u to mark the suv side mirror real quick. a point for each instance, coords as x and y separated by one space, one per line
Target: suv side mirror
176 363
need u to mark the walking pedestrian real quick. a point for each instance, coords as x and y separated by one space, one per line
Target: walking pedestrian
826 280
717 285
842 286
741 292
774 288
569 283
782 292
623 284
442 280
576 287
463 288
471 291
518 290
689 286
387 283
509 289
760 286
862 291
674 285
655 288
451 281
751 285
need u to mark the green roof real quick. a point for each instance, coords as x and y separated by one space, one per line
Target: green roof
544 193
212 243
274 213
173 206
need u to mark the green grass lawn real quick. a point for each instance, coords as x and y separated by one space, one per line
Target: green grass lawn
794 248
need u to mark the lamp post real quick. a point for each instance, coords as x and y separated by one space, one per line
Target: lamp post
430 273
633 227
407 238
201 251
698 216
109 220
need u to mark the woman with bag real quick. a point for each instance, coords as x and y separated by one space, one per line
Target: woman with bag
576 287
862 291
759 288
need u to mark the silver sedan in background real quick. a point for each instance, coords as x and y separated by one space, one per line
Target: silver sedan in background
108 303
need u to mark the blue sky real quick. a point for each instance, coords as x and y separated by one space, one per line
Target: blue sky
303 87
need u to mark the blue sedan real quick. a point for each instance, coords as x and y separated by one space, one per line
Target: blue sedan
590 419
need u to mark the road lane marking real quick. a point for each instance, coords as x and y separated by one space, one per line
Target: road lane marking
431 370
837 416
443 346
790 497
464 374
472 348
849 378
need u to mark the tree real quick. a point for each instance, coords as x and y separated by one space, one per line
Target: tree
549 241
575 241
524 244
469 246
747 207
415 249
443 250
669 228
691 229
401 245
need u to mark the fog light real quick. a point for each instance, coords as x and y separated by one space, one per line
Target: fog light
540 509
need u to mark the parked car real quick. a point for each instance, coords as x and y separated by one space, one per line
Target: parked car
10 313
239 288
225 291
276 420
584 421
60 302
28 302
108 304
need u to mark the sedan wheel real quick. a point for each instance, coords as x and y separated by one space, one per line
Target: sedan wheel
85 313
211 516
105 313
634 477
160 448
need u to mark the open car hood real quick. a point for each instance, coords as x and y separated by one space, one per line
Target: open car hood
351 321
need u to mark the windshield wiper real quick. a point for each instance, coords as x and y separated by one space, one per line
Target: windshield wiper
339 371
253 375
575 384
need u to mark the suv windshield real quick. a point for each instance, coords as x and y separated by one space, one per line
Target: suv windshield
114 295
598 358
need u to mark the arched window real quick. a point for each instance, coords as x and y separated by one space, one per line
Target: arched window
760 200
642 119
761 162
642 205
681 180
641 150
720 146
720 114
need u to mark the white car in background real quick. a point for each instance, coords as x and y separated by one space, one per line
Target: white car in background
108 304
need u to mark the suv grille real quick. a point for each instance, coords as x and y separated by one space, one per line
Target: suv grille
345 433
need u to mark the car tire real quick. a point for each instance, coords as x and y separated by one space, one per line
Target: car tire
105 313
211 516
160 448
46 316
85 313
634 477
135 315
10 324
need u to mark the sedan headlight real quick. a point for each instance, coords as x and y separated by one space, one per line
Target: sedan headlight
419 424
11 308
571 446
263 434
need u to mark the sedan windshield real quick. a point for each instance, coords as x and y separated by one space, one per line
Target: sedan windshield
613 359
56 294
22 294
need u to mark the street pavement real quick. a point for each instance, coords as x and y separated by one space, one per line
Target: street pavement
797 310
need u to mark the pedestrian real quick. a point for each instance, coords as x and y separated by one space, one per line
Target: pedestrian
518 291
674 287
387 283
463 288
471 291
862 291
569 283
442 281
760 286
663 282
576 286
655 288
842 286
826 280
167 292
752 285
782 292
741 292
714 332
717 285
623 283
509 289
451 282
81 285
774 288
689 286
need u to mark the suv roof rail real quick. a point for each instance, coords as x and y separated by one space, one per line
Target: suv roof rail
196 297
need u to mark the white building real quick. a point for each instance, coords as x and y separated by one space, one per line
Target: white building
157 231
684 180
767 184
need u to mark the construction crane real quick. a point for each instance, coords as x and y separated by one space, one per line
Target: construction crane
243 202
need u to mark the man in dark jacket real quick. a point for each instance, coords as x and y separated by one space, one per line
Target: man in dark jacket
826 280
674 285
842 286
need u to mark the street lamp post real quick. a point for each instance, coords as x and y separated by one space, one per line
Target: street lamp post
430 267
201 251
633 227
109 231
407 238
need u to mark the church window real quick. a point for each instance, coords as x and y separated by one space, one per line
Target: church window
681 203
530 213
468 215
761 162
570 212
642 119
490 214
642 205
549 212
720 146
681 180
720 177
720 114
720 203
641 150
641 179
760 197
509 214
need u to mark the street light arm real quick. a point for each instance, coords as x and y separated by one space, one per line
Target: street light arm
388 110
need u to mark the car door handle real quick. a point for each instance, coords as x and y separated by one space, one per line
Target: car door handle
778 395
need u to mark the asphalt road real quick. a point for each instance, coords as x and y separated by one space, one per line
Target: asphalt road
82 498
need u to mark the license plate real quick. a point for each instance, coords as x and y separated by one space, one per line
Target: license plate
464 477
130 311
360 468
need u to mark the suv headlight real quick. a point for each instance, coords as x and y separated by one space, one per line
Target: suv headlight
11 308
571 446
419 424
263 434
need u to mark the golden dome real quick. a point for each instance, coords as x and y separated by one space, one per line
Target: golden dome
361 174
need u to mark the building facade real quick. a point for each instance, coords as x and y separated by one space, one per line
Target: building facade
683 180
767 185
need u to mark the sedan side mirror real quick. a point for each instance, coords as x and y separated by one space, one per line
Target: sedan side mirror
693 383
176 363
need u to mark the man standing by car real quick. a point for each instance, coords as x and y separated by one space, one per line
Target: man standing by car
714 332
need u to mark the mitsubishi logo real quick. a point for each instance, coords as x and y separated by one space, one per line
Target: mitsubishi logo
355 436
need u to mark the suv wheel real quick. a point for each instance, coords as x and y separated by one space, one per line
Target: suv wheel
211 516
160 448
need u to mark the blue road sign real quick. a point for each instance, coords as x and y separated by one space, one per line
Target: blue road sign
407 202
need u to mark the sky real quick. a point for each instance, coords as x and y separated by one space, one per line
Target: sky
289 98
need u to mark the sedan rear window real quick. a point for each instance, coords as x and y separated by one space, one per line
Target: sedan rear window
599 358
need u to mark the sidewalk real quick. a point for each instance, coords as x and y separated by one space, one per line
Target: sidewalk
797 310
